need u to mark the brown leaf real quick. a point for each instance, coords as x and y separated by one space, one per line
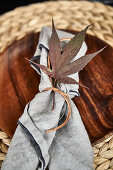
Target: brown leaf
54 50
67 80
73 47
80 63
45 69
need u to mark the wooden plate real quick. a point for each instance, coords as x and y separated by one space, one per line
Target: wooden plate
19 84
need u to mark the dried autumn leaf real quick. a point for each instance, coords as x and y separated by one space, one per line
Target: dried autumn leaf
61 64
73 47
79 64
45 69
54 50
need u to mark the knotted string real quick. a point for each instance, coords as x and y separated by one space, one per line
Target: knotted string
65 96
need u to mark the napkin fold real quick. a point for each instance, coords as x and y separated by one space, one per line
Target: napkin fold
32 148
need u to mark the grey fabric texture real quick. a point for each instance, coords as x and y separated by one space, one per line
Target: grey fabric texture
32 148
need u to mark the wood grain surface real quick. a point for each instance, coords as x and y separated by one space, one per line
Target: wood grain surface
18 81
19 84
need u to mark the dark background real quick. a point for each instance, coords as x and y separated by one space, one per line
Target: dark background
7 5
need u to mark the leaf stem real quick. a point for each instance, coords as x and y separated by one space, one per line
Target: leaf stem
54 84
53 99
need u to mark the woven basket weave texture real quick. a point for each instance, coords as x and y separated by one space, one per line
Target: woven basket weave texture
67 15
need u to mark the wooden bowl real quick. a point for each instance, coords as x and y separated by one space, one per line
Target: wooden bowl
18 81
19 84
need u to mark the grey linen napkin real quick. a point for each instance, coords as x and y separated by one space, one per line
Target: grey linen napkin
32 148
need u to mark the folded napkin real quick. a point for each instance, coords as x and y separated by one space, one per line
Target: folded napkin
32 148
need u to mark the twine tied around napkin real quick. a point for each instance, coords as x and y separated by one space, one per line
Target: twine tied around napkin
65 96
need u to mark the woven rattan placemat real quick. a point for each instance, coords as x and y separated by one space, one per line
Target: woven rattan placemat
67 15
